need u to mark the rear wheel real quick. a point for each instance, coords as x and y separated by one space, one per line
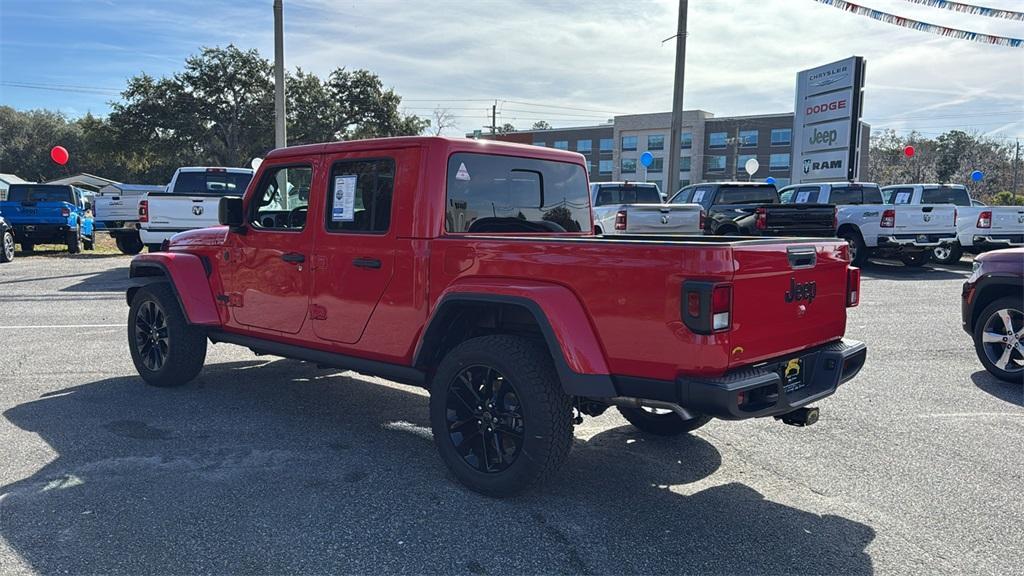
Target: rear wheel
130 245
7 247
858 251
662 422
999 339
500 418
166 349
915 259
74 241
947 253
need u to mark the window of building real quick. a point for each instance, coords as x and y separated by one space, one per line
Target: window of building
685 163
657 165
716 163
655 141
283 199
488 193
562 144
741 161
541 144
607 144
684 183
717 140
782 136
360 196
629 142
748 138
686 140
605 167
584 145
778 162
628 166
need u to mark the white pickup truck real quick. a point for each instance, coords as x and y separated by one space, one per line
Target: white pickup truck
873 228
978 228
637 208
190 201
116 207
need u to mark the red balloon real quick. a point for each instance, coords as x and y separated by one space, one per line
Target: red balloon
908 151
59 154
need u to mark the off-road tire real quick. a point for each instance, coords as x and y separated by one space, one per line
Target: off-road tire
1005 303
666 424
916 259
7 246
129 245
546 409
186 344
74 241
858 250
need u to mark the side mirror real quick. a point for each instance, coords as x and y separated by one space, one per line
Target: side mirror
229 212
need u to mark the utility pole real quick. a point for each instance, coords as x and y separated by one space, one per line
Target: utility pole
1016 164
675 133
494 117
280 120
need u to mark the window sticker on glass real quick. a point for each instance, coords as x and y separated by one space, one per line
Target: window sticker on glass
343 209
698 196
462 174
802 197
902 198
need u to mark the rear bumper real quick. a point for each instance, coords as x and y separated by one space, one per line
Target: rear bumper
41 233
918 240
996 241
760 390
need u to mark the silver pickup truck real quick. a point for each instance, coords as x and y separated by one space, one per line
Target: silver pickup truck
637 208
190 201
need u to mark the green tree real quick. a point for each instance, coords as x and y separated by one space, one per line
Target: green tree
541 125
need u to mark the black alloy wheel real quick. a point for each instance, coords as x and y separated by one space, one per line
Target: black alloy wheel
485 419
152 338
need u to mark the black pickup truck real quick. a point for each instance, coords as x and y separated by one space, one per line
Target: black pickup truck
753 209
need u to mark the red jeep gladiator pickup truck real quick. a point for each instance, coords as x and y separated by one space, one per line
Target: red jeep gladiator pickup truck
470 268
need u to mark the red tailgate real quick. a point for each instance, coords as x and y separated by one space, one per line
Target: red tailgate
786 297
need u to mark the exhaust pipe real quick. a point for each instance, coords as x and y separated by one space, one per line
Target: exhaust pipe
630 402
799 417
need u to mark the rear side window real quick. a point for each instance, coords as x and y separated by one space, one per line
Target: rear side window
698 195
627 195
946 195
212 183
489 194
872 195
359 196
899 195
51 193
801 195
846 195
747 195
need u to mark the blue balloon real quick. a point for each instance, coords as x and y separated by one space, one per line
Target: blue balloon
977 175
647 159
769 180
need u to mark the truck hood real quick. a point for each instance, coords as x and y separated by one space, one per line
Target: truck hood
213 236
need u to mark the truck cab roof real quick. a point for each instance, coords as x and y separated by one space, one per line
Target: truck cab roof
439 143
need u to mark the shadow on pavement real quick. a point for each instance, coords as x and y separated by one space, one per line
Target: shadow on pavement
890 270
278 467
109 280
1006 391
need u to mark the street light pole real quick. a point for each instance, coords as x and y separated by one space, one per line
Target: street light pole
280 119
675 133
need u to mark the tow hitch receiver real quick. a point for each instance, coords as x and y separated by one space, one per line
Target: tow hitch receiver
799 417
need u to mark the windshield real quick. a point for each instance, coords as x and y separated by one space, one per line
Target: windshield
627 194
215 183
43 193
946 195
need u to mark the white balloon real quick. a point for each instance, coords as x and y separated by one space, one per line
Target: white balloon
751 166
256 163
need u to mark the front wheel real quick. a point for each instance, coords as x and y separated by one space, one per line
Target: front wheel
499 416
947 253
914 259
999 339
662 422
74 242
166 349
7 247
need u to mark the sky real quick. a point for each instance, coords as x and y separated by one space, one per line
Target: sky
566 62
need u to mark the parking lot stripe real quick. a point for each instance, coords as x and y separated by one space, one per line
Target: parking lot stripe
62 326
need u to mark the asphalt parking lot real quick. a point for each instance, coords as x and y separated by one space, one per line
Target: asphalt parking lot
266 465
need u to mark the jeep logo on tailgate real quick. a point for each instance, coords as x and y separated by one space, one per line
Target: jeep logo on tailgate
801 291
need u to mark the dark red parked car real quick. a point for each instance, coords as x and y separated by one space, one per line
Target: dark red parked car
993 312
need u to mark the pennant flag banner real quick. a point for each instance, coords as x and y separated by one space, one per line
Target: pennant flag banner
923 26
971 9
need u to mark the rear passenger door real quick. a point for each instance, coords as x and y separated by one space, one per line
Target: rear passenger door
357 239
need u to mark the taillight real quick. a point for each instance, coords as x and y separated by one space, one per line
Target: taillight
985 219
703 216
852 286
144 211
706 306
888 219
65 211
620 220
761 218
